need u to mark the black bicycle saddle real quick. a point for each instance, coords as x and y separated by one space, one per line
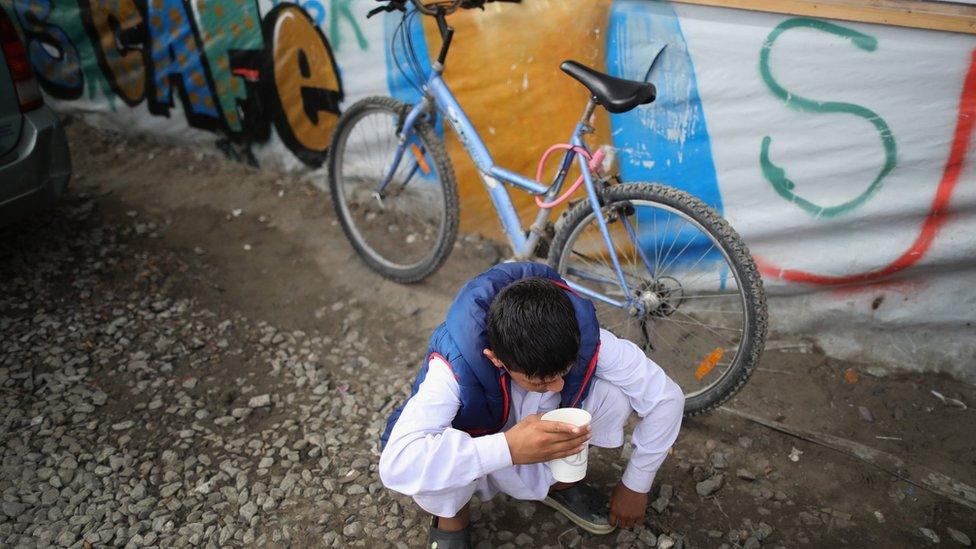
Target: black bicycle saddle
615 94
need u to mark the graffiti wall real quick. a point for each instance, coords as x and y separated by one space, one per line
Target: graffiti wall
839 150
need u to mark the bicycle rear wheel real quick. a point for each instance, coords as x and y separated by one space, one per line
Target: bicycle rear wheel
696 304
408 234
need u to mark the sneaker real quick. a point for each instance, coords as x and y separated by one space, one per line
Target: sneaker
585 506
440 539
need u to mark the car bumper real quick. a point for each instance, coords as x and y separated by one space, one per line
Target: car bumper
36 173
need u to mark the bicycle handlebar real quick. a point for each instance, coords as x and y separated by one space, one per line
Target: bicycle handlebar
442 7
439 9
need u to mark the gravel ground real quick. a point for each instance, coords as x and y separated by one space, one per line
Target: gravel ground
133 418
116 431
174 372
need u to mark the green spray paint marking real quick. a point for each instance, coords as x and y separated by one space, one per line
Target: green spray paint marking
776 175
340 8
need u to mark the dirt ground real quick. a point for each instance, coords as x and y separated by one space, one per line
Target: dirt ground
282 260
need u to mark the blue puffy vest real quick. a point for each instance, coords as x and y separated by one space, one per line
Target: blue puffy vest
484 389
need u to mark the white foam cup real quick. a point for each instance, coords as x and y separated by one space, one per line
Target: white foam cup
570 468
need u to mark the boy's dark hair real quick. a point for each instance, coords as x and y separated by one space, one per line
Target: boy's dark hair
532 328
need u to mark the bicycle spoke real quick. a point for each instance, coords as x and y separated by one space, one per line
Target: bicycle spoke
404 229
709 296
697 322
709 328
677 257
693 305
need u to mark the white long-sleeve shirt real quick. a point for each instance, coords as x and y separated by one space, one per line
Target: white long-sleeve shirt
426 457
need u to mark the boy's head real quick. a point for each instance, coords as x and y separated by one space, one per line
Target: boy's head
532 332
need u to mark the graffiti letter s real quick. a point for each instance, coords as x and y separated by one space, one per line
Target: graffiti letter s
117 31
52 54
776 175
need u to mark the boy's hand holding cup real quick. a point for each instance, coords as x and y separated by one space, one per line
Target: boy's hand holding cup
533 440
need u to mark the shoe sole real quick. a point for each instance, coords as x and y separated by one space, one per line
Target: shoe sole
591 527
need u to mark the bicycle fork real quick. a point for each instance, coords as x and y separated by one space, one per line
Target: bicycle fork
405 133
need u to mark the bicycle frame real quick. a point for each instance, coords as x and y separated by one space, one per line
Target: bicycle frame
496 177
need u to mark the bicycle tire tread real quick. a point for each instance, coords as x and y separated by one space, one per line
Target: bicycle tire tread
447 179
739 374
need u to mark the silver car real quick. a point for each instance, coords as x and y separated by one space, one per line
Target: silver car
34 162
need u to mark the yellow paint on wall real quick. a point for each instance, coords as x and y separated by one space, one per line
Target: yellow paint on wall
503 68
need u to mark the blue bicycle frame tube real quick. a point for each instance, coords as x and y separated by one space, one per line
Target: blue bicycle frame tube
595 204
415 113
583 290
491 174
459 121
494 175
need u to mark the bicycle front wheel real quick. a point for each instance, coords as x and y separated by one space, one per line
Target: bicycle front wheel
405 232
694 302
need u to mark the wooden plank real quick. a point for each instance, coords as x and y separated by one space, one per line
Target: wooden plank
917 14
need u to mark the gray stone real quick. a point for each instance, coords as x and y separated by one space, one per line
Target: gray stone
13 509
664 542
745 474
663 498
240 413
929 535
349 477
248 510
865 414
226 533
647 537
625 537
709 486
260 401
49 496
170 489
959 537
353 529
66 538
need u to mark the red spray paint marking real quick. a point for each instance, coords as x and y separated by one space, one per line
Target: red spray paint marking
937 216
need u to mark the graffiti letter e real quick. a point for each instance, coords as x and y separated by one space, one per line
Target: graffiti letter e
776 175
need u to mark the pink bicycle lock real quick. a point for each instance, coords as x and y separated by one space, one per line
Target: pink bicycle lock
593 162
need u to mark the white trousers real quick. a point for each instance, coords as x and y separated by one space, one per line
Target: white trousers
610 409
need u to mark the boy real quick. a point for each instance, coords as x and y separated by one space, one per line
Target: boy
517 342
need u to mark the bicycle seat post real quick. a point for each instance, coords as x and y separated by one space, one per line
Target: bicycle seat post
584 122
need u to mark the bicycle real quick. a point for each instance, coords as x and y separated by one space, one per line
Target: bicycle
693 301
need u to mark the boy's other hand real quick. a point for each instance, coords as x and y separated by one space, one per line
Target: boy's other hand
535 441
626 506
